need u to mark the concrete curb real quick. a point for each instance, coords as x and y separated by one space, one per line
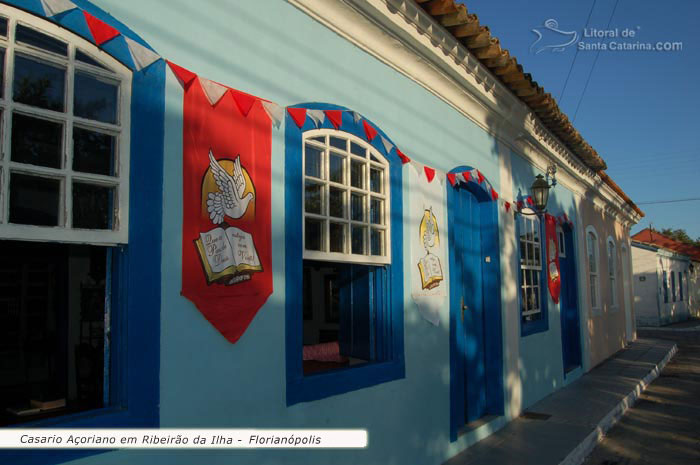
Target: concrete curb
670 330
579 454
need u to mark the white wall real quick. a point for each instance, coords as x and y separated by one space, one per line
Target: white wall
646 286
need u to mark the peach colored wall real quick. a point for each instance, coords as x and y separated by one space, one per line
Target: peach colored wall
606 328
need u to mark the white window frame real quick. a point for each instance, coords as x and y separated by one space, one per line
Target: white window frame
593 275
346 256
561 241
612 271
117 74
531 265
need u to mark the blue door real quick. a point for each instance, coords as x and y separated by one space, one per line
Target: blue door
475 306
570 334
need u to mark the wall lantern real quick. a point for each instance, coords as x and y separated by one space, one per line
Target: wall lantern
540 190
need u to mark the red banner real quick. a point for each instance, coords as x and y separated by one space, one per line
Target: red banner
553 276
226 245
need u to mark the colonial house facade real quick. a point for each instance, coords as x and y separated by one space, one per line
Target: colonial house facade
293 214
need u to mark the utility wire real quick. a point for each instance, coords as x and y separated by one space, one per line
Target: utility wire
668 201
590 73
568 75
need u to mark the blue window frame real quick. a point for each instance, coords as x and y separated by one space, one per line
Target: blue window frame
363 286
532 277
665 285
133 270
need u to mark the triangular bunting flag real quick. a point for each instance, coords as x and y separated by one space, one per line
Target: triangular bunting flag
298 115
429 173
213 90
529 201
335 117
140 55
452 178
387 145
55 7
356 116
507 205
480 176
370 132
465 176
101 31
274 112
185 76
244 101
494 194
520 204
404 158
318 117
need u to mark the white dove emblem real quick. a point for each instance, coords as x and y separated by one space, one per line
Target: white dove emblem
229 201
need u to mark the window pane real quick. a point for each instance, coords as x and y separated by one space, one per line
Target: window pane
313 160
336 168
37 39
36 141
93 152
535 230
95 99
2 71
523 299
377 242
594 293
530 253
358 240
372 157
312 197
358 150
85 58
357 207
357 174
337 237
321 139
313 234
93 206
375 211
335 202
528 277
375 180
3 27
34 200
38 84
339 143
537 256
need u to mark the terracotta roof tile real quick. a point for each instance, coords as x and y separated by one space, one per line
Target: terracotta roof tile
648 236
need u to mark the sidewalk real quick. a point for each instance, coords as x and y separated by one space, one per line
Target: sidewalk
571 421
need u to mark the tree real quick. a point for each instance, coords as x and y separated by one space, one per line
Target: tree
680 235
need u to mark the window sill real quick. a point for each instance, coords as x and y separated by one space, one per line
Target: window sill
321 385
534 327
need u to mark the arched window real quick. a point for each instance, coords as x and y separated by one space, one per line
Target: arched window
612 272
593 267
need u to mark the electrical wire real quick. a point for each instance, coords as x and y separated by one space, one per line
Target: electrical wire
568 75
668 201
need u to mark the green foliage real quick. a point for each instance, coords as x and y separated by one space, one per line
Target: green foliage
681 236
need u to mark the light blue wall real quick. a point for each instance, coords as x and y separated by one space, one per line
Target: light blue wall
270 49
541 363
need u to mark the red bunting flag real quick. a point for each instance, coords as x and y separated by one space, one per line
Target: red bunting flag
452 178
507 204
226 224
429 173
529 201
519 204
186 77
101 31
480 176
298 115
404 158
335 117
370 132
494 194
244 101
466 175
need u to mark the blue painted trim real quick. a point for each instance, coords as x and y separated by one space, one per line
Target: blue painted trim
491 289
136 278
541 325
302 388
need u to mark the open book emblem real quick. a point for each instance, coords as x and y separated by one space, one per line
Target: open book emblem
429 266
227 252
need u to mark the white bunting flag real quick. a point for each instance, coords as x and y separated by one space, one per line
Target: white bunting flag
387 145
55 7
317 116
356 116
141 56
428 245
274 111
214 91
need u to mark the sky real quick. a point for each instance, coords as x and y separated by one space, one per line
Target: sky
638 109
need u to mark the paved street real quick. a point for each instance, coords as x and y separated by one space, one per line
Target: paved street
663 427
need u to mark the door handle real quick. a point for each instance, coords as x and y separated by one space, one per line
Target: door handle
464 307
